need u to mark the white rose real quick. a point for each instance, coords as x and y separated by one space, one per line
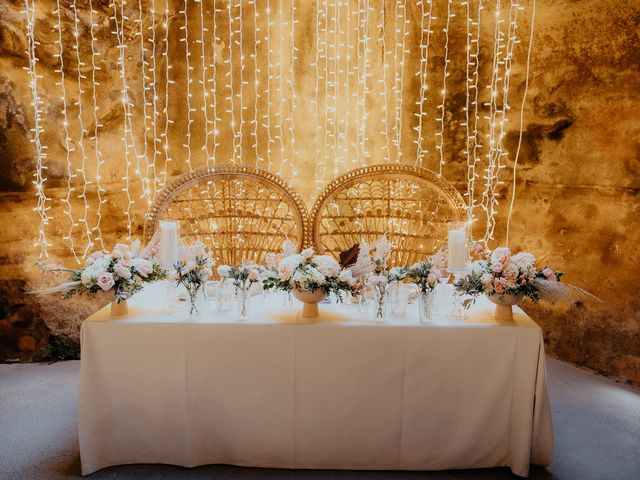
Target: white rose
432 279
122 271
307 253
86 277
327 265
317 276
487 280
143 267
524 260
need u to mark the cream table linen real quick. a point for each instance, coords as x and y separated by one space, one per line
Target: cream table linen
342 393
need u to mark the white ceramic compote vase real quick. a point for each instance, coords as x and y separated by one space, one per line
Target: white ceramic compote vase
309 301
504 305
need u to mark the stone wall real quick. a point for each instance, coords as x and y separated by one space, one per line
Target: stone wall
577 175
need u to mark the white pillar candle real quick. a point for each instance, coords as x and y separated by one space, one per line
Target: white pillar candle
168 244
457 250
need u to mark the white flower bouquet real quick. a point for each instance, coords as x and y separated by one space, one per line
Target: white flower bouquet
425 275
502 274
124 271
307 272
192 271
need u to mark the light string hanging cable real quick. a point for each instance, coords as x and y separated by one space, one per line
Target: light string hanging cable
96 127
498 119
82 171
203 83
39 175
425 41
146 183
442 105
167 84
119 33
154 99
472 161
383 81
349 72
524 99
188 69
364 90
68 144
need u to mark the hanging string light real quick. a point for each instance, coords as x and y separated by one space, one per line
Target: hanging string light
281 95
154 101
242 81
503 54
214 81
318 78
203 83
189 80
267 116
82 171
292 87
425 40
398 84
231 95
96 126
167 84
39 175
472 136
256 83
146 182
364 90
68 143
126 109
445 74
335 110
383 82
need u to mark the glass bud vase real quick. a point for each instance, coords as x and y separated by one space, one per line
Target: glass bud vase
425 306
196 300
380 304
242 295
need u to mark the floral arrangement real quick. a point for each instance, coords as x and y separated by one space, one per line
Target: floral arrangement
307 272
425 275
123 271
502 273
192 271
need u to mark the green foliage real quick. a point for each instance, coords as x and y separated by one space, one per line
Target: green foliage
60 348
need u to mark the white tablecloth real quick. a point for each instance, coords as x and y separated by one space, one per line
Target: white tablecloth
342 393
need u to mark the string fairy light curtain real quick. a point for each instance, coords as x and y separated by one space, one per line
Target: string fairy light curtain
307 90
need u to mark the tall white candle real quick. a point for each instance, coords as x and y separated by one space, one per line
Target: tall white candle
168 244
457 250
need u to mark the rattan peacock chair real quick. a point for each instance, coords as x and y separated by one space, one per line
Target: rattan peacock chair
239 212
411 205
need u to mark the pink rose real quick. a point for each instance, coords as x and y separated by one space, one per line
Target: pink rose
496 267
511 272
501 255
549 275
106 282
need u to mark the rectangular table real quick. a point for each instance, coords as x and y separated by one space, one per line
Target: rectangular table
342 393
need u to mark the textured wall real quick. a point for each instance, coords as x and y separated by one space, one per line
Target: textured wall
577 178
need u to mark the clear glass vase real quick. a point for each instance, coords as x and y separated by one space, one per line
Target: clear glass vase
381 305
425 306
196 300
242 297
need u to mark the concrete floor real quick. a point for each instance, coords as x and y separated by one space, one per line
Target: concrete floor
597 434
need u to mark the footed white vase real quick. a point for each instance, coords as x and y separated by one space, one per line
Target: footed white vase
119 309
310 301
504 305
